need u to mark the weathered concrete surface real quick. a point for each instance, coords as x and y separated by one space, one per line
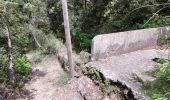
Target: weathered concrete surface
121 67
107 45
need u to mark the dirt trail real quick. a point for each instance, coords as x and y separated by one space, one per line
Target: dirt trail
43 83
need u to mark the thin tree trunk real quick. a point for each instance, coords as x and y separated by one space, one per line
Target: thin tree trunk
31 27
85 4
11 70
33 35
67 34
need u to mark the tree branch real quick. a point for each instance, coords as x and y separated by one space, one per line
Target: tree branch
145 7
154 15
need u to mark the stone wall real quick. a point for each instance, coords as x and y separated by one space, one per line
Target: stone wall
107 45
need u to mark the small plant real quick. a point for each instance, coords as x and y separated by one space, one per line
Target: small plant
95 74
38 55
64 78
21 65
106 86
159 88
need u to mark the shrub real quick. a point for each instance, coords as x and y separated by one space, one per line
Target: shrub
21 65
64 79
159 88
38 55
49 43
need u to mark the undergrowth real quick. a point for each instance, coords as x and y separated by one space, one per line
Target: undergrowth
64 79
22 69
159 89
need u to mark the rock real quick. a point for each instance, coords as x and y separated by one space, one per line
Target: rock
106 98
68 95
85 56
81 88
113 96
87 88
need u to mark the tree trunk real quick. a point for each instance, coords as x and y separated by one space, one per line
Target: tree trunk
67 34
85 4
11 70
33 35
31 27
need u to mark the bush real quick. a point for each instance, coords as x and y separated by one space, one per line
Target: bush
49 43
159 88
38 55
21 65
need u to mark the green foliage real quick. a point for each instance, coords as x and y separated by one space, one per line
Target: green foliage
50 44
157 21
22 65
95 75
38 55
3 70
97 17
84 39
22 69
17 20
159 88
106 86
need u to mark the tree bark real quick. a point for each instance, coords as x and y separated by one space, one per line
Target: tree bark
31 27
11 70
85 4
68 36
33 35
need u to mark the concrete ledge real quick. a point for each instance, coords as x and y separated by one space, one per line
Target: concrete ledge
107 45
121 68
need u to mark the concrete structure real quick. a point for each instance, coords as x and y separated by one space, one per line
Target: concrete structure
107 45
119 56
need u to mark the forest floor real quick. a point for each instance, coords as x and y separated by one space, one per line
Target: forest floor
43 83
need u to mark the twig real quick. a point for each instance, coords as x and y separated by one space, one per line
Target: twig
145 7
154 15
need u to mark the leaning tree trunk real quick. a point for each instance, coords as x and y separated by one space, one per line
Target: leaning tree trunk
31 27
34 35
68 37
11 71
